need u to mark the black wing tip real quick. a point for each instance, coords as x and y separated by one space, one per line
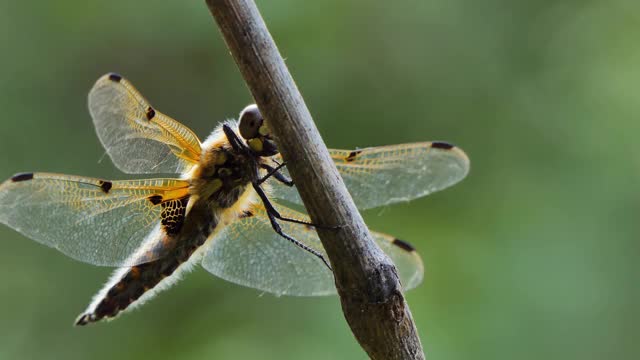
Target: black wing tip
115 77
442 145
403 245
22 177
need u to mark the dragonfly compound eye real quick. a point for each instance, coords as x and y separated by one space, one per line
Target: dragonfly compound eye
250 122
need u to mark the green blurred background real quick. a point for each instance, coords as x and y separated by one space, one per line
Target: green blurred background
533 256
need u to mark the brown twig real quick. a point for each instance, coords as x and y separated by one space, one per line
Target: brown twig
366 279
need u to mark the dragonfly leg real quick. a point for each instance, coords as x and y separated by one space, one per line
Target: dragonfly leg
273 215
276 227
271 171
272 211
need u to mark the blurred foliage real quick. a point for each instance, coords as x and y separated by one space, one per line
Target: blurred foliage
533 256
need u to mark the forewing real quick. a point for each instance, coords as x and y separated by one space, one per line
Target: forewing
385 175
96 221
248 252
138 138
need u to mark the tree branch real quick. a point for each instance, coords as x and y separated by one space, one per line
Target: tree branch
366 279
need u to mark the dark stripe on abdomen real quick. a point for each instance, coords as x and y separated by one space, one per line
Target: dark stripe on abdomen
141 278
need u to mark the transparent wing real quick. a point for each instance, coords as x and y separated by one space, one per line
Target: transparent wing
385 175
138 138
248 252
96 221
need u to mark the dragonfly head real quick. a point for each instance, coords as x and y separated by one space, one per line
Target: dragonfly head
254 130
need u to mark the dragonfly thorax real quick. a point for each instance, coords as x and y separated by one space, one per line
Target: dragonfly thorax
223 175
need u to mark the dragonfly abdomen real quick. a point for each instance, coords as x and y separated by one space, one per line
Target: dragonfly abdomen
133 285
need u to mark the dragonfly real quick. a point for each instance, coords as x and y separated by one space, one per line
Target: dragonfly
216 209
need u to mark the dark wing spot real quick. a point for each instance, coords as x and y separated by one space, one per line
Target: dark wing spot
22 177
115 77
155 199
246 214
352 155
150 113
106 186
403 245
441 145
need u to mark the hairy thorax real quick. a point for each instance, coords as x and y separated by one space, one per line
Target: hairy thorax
222 176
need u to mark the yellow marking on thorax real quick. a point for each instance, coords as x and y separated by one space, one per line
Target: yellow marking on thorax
209 157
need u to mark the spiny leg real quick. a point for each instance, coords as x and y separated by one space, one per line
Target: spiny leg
271 171
276 227
271 213
272 210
